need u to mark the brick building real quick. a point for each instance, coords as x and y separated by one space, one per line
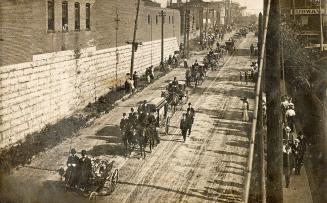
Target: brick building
307 14
56 56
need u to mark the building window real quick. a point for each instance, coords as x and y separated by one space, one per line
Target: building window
172 19
88 16
149 19
77 16
51 23
169 19
156 19
65 16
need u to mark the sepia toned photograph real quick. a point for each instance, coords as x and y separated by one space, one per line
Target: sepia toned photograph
163 101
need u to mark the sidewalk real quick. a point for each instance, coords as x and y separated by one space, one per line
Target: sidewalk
299 189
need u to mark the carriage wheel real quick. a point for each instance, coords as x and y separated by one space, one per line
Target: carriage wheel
167 125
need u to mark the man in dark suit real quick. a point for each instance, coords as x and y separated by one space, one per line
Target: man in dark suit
184 126
86 171
72 170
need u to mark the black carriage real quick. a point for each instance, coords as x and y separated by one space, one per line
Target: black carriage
230 46
160 108
102 182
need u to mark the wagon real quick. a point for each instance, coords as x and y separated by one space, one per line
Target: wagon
103 180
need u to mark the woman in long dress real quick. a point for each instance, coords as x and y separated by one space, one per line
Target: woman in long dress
245 109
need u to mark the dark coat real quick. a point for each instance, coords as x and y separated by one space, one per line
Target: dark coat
183 124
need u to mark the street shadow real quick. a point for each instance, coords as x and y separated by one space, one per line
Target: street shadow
242 52
228 153
242 163
227 183
109 130
173 140
203 197
220 194
239 143
107 149
248 92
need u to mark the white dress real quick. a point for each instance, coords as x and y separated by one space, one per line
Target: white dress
245 111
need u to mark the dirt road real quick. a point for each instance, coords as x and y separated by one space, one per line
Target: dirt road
209 167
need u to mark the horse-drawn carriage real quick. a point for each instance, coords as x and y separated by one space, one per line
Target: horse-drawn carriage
175 94
102 181
230 46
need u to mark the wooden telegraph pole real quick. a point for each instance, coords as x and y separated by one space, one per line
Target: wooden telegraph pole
117 54
274 132
134 38
321 27
186 25
162 14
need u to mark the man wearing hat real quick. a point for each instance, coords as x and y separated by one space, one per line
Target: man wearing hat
72 170
183 126
86 170
190 113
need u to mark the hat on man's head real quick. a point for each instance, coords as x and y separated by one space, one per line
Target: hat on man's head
73 151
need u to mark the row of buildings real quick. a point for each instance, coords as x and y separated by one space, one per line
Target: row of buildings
56 56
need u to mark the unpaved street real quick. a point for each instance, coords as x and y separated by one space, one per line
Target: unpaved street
209 167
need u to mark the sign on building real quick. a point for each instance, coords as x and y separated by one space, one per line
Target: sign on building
308 11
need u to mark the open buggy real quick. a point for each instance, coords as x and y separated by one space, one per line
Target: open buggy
102 181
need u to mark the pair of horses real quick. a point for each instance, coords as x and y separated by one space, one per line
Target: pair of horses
139 136
174 97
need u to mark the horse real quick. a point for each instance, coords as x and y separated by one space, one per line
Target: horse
141 139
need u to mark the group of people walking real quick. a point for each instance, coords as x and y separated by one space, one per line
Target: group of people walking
294 146
250 75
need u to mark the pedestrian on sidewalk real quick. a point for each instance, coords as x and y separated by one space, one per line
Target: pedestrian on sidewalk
246 77
286 162
135 78
185 64
147 75
252 49
297 150
183 126
245 109
241 77
303 143
290 117
151 72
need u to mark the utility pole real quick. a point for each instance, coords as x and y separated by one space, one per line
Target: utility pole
293 4
260 132
134 38
274 131
321 28
151 35
206 28
162 14
117 54
186 24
